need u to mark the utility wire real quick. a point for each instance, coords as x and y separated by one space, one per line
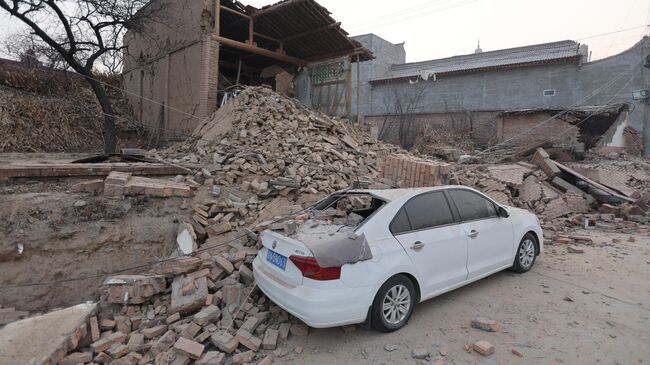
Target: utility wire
565 111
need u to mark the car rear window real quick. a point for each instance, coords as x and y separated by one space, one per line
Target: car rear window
428 210
472 206
400 223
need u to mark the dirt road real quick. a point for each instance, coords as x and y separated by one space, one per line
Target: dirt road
589 308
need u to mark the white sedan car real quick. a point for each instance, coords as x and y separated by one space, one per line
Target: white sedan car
423 242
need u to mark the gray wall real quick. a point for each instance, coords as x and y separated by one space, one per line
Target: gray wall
386 55
522 88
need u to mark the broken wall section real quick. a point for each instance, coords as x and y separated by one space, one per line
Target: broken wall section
171 68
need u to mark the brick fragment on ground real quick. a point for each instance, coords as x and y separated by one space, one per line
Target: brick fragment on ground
107 342
206 315
243 357
164 343
267 360
211 358
188 293
299 329
485 324
134 289
224 263
420 353
483 347
77 358
248 340
224 341
574 249
190 330
270 340
155 331
283 331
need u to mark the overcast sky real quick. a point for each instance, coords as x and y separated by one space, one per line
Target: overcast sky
442 28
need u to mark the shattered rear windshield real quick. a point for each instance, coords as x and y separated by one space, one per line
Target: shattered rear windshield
346 209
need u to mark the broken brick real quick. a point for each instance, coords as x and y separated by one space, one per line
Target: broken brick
189 348
270 340
485 324
483 347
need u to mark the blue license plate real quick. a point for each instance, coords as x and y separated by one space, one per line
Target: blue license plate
276 259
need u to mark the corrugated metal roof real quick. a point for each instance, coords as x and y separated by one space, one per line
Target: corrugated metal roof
539 53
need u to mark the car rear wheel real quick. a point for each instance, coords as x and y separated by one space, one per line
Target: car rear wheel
526 254
393 304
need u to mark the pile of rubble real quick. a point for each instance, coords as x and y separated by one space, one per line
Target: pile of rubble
604 194
259 158
443 142
203 309
272 145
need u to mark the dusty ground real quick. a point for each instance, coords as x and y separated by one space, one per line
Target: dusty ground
60 240
605 321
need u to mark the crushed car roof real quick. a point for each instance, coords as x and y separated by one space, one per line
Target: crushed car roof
393 194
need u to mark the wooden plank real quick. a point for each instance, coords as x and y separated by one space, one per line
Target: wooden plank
235 12
260 51
87 169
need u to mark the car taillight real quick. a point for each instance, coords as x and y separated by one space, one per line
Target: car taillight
310 268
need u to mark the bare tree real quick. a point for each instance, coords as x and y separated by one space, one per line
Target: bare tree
82 32
30 49
402 106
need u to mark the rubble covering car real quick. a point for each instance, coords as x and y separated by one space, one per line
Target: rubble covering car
361 255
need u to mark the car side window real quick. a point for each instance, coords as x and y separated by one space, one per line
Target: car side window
423 211
472 205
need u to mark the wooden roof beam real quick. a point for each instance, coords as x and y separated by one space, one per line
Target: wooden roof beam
233 11
259 51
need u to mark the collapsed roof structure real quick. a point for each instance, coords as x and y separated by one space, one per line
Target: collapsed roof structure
179 66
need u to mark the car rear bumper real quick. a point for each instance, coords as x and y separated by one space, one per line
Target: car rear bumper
333 304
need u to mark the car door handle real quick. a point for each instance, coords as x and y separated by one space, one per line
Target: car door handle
417 246
472 234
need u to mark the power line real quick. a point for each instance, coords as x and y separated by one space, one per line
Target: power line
395 20
154 263
399 12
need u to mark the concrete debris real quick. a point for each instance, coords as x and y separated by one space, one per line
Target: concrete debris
186 239
57 334
133 289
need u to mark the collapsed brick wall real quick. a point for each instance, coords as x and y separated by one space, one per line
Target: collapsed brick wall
522 128
409 172
480 126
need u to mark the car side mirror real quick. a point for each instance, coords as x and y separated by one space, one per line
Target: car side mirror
503 213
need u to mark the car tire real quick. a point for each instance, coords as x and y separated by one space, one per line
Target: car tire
526 254
389 310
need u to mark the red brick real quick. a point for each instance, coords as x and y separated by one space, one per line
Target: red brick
189 348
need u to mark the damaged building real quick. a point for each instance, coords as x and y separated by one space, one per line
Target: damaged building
492 96
184 63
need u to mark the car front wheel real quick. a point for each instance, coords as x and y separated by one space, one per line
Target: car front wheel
393 304
526 254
